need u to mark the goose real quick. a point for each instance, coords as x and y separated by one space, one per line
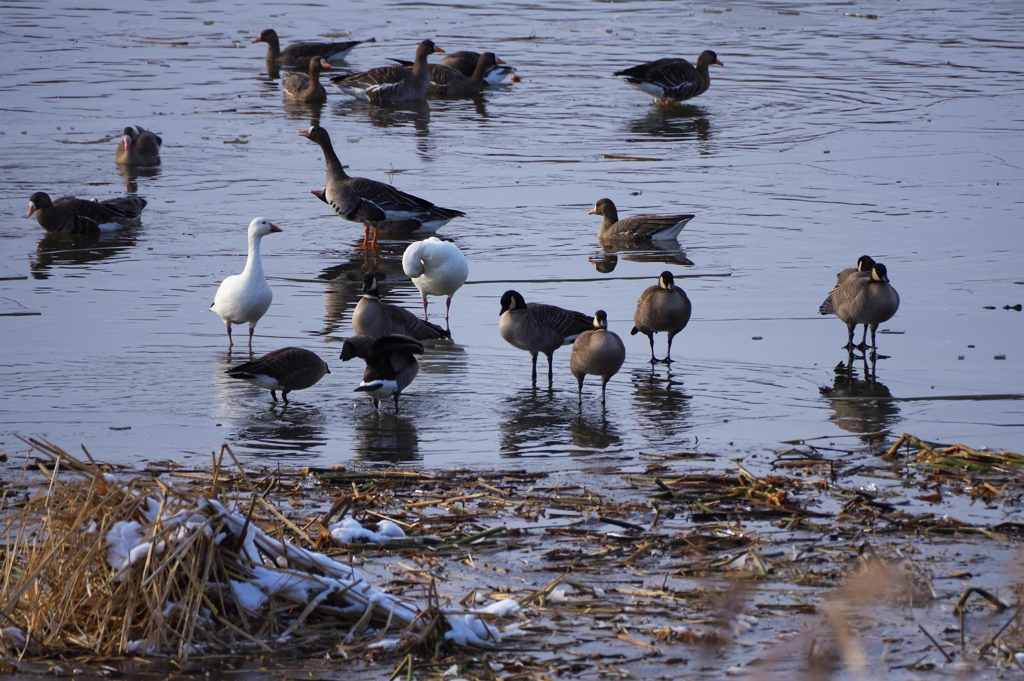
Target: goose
867 300
388 84
598 352
865 264
448 82
138 147
638 227
300 87
246 297
286 369
438 268
376 319
376 205
672 80
663 307
536 327
465 64
69 215
390 364
299 55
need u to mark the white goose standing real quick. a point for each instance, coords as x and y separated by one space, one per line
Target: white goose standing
246 297
438 268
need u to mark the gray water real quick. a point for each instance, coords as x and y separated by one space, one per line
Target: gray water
824 137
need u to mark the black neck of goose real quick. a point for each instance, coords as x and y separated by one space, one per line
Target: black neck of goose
273 47
331 158
611 216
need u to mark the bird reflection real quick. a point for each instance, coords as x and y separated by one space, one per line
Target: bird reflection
392 115
60 250
446 358
131 175
681 122
661 404
347 277
593 432
302 111
534 425
652 251
861 405
281 429
385 437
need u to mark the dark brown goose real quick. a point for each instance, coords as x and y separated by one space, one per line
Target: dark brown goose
138 147
466 63
638 227
863 300
672 80
300 87
298 56
388 84
537 328
390 364
69 215
286 370
598 352
376 205
449 82
376 319
664 307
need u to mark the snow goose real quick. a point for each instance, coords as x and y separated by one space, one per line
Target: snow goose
863 300
376 319
638 227
69 215
663 307
537 328
388 84
300 87
286 369
138 147
598 352
390 364
246 297
299 55
438 268
672 80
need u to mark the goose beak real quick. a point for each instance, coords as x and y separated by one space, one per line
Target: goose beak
500 61
31 209
438 49
324 64
127 141
257 39
719 63
274 228
304 133
592 211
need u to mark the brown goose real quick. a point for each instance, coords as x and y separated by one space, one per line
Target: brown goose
638 227
376 205
537 328
392 83
376 319
598 352
863 300
300 87
138 147
286 369
449 82
69 215
299 55
672 80
390 364
465 63
664 307
865 264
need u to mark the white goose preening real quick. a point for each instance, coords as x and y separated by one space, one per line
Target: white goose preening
286 369
138 147
246 297
438 268
672 79
537 328
390 364
638 227
663 307
863 300
376 319
598 352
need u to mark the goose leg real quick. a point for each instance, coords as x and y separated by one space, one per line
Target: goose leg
551 371
273 395
376 404
366 235
252 330
874 348
534 355
231 342
425 317
284 396
668 353
864 338
396 403
447 309
650 337
604 382
376 233
579 380
849 340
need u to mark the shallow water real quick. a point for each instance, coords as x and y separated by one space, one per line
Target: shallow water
824 137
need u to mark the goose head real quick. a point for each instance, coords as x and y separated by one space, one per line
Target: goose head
865 263
707 58
260 227
427 47
38 201
370 285
601 320
511 300
666 281
879 273
128 136
316 134
603 207
267 36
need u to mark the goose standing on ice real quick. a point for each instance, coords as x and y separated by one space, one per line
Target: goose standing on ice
537 328
663 307
286 369
598 352
438 268
246 297
390 364
863 300
377 319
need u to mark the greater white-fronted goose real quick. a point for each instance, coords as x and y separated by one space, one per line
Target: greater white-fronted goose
598 352
537 328
69 215
300 87
390 364
449 82
672 79
388 84
286 370
138 147
663 307
638 227
246 297
863 300
376 319
465 63
376 205
298 56
438 268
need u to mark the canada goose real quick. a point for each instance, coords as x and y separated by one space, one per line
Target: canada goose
672 80
247 296
663 307
438 268
138 147
299 55
376 319
374 204
638 227
390 364
863 269
69 215
300 87
388 84
598 352
863 300
286 369
536 327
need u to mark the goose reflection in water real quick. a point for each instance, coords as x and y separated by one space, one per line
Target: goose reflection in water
681 122
131 175
295 428
303 111
652 251
534 424
65 250
347 276
385 437
661 404
392 115
861 405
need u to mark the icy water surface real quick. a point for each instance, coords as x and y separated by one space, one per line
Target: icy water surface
824 137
